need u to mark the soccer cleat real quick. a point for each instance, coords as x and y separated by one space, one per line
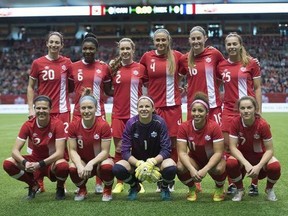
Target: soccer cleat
107 195
60 193
133 192
219 194
76 190
41 186
118 188
238 195
81 195
32 190
253 190
98 189
192 195
165 194
271 196
171 186
198 187
231 189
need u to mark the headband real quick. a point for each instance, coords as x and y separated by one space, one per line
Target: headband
90 98
146 97
201 102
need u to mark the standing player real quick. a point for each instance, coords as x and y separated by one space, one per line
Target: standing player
241 76
162 75
145 138
50 74
47 138
89 142
251 149
200 67
92 74
127 78
204 140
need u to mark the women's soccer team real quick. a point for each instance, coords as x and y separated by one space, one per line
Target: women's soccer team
226 138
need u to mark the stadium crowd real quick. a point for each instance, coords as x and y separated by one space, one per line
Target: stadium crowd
16 58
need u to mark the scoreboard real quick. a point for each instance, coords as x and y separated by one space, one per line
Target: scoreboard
180 9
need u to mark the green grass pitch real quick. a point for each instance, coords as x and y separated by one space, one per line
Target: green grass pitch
12 192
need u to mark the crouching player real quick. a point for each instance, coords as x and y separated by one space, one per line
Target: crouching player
48 138
89 146
200 146
146 150
251 146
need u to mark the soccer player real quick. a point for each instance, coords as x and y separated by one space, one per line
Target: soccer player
145 138
93 74
199 66
127 79
251 146
162 74
49 73
241 76
200 146
89 142
47 137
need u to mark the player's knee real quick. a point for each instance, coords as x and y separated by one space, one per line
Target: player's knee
169 173
120 172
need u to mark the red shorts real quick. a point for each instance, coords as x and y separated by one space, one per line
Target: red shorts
118 126
214 114
173 118
226 121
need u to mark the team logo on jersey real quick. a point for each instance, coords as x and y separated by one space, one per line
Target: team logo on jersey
207 138
98 71
256 136
154 134
135 72
96 136
208 59
136 135
50 134
243 69
64 68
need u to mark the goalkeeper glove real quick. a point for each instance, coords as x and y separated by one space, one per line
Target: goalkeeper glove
155 175
152 161
143 170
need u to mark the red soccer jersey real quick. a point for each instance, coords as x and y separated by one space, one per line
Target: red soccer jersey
203 77
127 90
238 81
162 86
200 142
90 76
52 77
250 139
89 140
42 140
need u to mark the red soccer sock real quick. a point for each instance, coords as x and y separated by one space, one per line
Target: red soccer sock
75 178
61 173
14 171
273 173
106 174
234 172
219 179
186 179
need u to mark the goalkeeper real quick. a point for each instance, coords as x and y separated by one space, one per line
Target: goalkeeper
146 150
